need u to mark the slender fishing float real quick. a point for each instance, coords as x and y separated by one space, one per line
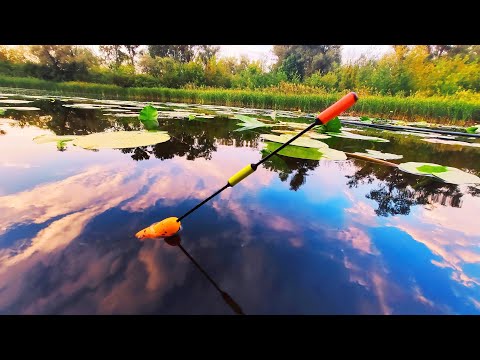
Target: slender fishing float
171 226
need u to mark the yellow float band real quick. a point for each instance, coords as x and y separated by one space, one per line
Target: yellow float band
242 174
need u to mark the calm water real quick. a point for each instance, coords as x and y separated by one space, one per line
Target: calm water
296 237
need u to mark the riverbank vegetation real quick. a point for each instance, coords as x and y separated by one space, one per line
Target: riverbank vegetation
428 82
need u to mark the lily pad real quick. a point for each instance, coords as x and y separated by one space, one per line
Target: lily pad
451 142
380 155
299 152
87 106
250 123
22 108
332 126
310 134
121 139
302 141
420 134
458 177
348 135
13 101
46 138
417 168
294 125
148 116
444 173
124 115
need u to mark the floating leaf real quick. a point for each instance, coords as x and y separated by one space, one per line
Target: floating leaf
302 141
12 101
46 138
451 142
458 177
121 139
307 153
473 129
115 110
424 135
61 145
124 115
315 135
310 134
191 117
413 168
2 111
444 173
273 115
86 106
294 125
250 123
333 126
148 116
22 108
348 135
432 169
379 155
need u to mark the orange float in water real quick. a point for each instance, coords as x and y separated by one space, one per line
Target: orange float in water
165 228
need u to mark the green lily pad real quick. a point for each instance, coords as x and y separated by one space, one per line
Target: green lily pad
307 153
13 101
458 177
310 134
415 168
124 115
87 106
121 139
443 173
315 135
46 138
250 123
294 125
423 135
380 155
332 126
22 108
148 116
348 135
473 129
432 169
451 142
302 141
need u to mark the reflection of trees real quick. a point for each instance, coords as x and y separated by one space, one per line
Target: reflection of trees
286 166
190 139
399 191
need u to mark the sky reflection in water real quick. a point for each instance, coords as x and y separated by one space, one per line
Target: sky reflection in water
309 238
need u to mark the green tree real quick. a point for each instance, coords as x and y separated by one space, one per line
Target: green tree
132 51
304 60
205 52
63 62
181 53
114 55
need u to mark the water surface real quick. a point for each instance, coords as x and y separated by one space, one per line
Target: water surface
296 237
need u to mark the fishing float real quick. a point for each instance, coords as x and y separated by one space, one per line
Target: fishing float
171 226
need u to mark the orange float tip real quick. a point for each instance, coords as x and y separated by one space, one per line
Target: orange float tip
336 109
163 229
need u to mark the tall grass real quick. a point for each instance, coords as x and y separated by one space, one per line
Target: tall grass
414 107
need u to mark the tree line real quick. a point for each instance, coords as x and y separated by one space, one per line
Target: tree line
406 70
